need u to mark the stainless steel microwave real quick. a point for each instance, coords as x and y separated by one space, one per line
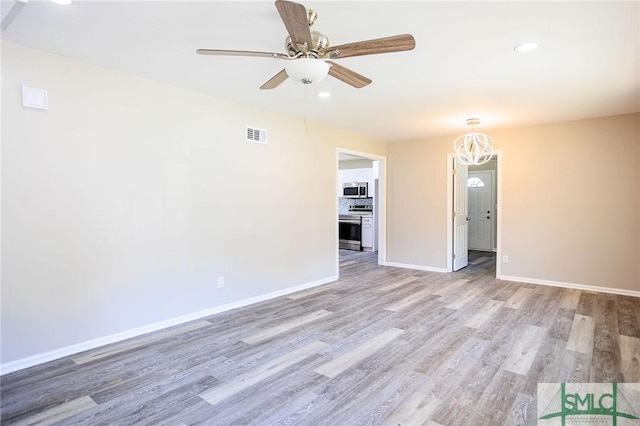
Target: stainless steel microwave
355 190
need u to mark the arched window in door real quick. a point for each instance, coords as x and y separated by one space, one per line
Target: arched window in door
475 182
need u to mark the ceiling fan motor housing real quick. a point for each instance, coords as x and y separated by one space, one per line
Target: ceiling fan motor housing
319 43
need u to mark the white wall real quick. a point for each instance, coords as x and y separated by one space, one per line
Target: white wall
570 202
123 203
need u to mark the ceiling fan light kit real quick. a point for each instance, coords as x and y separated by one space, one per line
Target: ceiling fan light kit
307 70
308 51
473 149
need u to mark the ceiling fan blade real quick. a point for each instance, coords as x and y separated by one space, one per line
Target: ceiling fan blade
294 16
275 81
346 75
220 52
371 47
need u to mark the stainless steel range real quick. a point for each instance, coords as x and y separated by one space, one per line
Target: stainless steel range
361 209
350 232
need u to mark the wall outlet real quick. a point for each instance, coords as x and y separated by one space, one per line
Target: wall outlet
220 282
505 258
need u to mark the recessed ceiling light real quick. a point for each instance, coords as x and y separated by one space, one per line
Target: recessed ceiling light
324 95
526 47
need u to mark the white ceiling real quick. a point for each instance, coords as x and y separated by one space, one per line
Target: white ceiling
463 65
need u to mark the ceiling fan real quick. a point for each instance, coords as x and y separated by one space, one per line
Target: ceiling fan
308 50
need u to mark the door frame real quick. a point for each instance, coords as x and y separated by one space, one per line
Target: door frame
498 182
381 219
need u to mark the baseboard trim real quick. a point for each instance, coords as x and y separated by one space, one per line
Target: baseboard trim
574 286
21 364
417 267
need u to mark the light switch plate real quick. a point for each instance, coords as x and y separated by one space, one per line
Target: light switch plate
32 97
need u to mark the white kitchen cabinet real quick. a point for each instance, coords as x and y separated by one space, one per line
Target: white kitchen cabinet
340 182
367 233
356 175
375 174
371 187
364 175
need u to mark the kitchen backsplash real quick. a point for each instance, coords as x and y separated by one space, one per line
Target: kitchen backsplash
345 203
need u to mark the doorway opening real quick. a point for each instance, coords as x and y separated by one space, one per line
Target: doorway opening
482 207
368 168
474 214
481 263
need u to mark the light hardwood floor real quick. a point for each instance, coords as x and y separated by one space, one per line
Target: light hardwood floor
382 345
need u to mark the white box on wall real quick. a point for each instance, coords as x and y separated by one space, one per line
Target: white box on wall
32 97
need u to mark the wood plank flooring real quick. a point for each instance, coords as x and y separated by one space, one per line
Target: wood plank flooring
380 346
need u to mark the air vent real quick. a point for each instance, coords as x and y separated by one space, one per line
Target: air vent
256 135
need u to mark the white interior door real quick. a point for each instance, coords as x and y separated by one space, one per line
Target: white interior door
460 216
480 188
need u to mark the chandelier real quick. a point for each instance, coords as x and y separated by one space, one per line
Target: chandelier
473 148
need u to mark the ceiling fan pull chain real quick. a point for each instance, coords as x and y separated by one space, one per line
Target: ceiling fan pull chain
306 105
